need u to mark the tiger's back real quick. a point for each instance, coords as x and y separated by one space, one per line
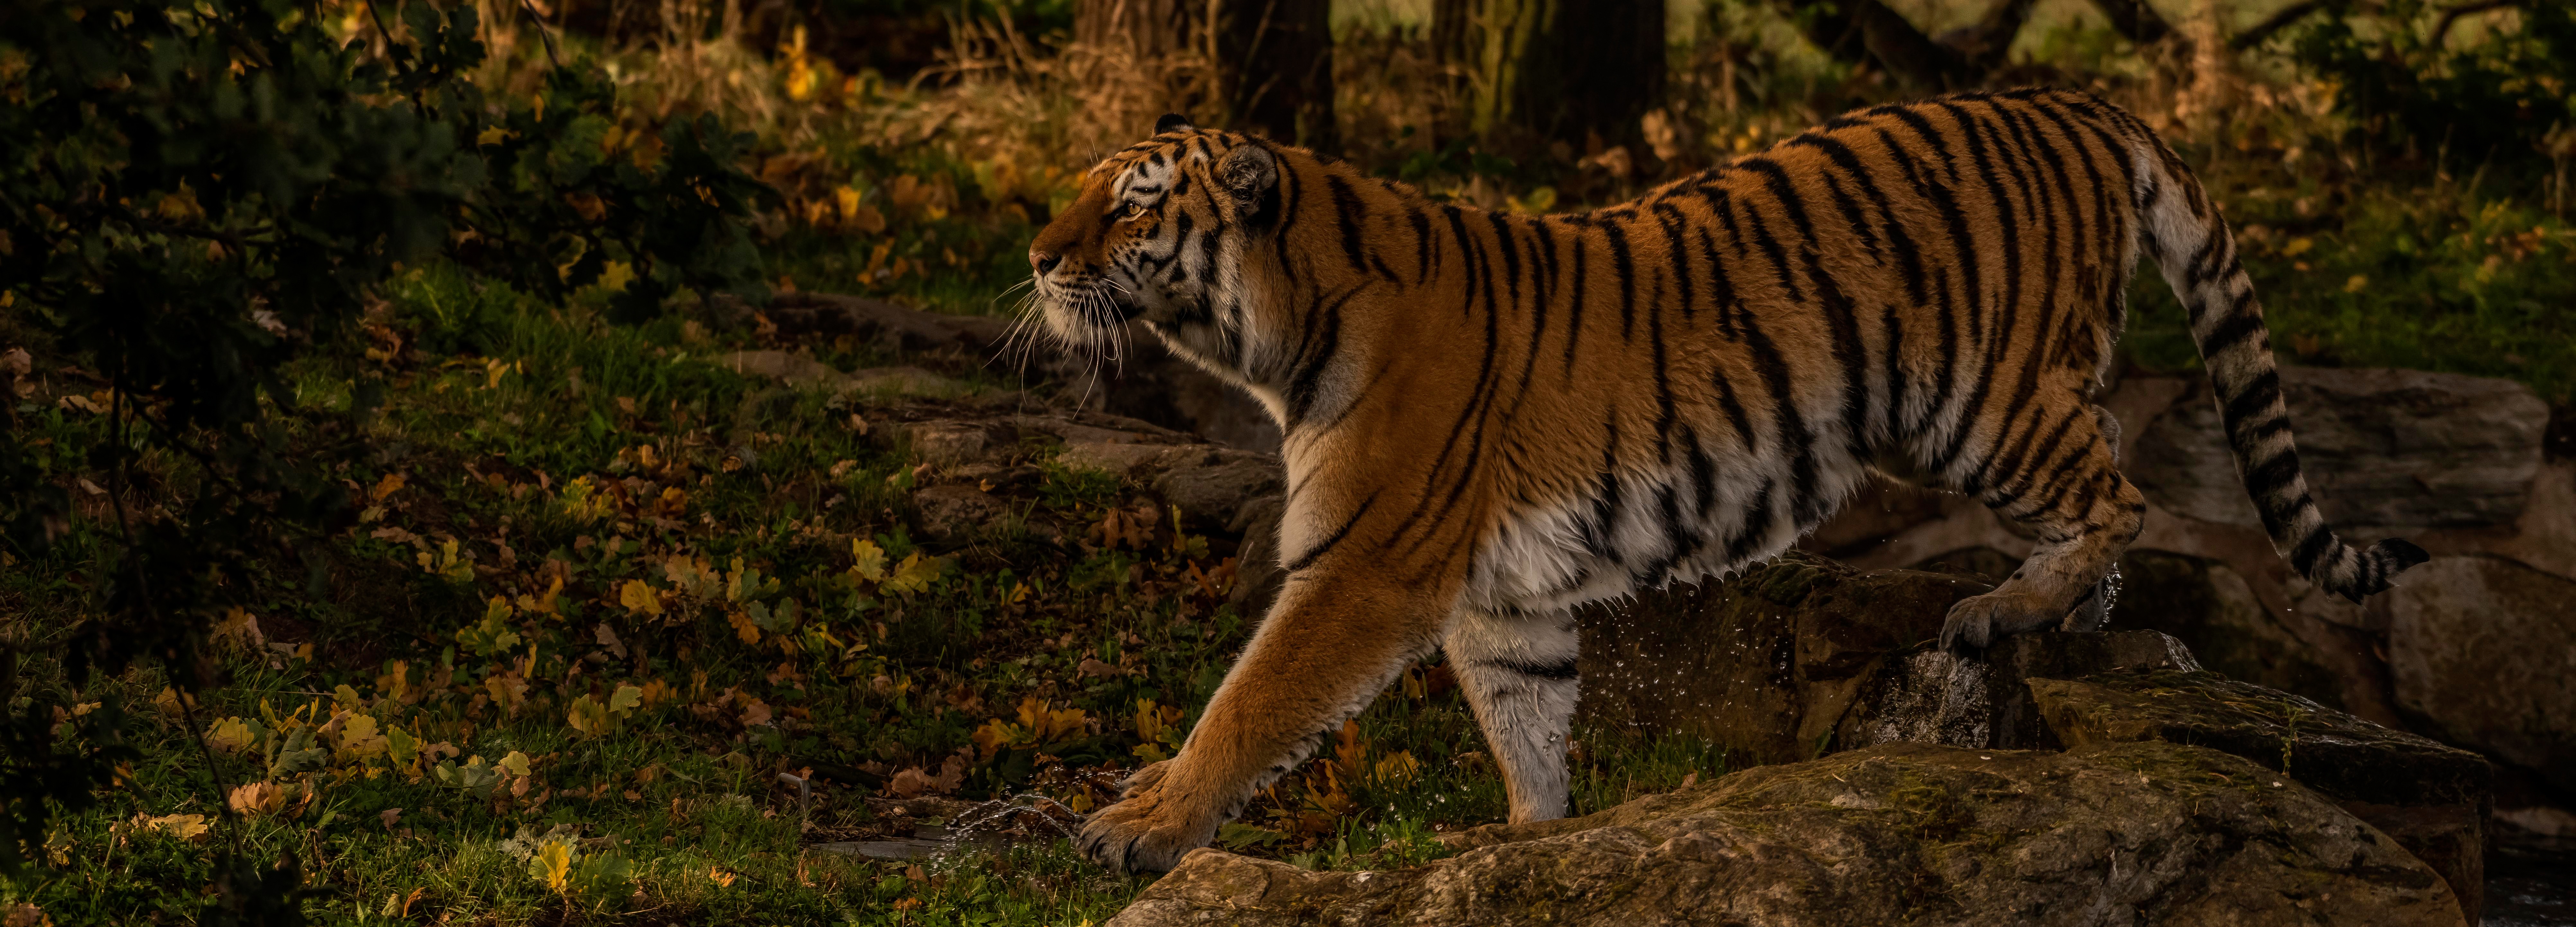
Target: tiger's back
1491 418
1741 345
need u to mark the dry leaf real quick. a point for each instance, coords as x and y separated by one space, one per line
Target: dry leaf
257 799
188 827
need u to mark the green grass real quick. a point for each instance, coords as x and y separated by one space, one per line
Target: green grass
548 446
2448 277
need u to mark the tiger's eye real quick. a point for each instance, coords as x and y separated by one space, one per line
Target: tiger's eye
1135 210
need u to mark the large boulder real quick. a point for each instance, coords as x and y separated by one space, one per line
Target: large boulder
2382 448
2430 798
2129 833
1802 656
2482 651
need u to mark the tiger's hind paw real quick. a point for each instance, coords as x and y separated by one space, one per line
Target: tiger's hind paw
1977 622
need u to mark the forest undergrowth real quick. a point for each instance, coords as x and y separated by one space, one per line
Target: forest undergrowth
620 635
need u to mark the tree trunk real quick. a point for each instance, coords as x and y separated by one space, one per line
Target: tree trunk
1554 69
1273 59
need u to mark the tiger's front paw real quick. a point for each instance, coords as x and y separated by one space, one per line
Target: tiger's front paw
1149 828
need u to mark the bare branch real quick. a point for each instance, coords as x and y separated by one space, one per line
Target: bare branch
2452 15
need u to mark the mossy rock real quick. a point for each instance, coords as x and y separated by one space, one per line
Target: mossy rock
2332 752
1913 834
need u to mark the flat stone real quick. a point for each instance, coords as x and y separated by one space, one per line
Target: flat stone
792 369
2334 753
2129 833
901 381
898 849
1119 457
947 443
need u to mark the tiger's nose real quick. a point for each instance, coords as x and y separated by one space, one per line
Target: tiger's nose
1043 261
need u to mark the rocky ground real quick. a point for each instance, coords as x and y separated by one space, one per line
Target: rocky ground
2254 755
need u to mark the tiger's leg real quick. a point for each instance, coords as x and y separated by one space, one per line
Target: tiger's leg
2093 612
2066 485
1340 632
1519 675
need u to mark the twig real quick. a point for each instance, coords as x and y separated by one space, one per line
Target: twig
542 35
125 534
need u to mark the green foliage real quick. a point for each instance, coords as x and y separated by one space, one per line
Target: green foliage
2498 98
575 199
194 194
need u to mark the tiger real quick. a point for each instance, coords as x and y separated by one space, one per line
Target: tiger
1492 418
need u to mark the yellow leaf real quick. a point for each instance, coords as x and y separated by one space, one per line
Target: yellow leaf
743 627
387 486
625 699
870 560
2297 246
230 735
552 864
542 606
915 574
516 763
188 827
998 735
493 136
639 598
588 716
358 737
1396 768
400 746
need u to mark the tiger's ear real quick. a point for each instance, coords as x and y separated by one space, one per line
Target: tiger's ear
1250 174
1173 122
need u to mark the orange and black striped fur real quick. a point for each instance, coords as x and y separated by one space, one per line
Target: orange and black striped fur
1493 418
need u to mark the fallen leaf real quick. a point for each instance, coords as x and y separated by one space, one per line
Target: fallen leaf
256 799
639 598
607 637
188 827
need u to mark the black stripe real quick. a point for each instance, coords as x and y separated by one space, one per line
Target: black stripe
1617 238
1559 671
1307 559
1421 245
1349 210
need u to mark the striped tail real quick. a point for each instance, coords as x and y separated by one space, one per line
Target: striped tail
2190 242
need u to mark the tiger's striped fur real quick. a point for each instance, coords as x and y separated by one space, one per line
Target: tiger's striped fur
1493 418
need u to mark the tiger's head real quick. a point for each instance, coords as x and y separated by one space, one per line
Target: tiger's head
1158 235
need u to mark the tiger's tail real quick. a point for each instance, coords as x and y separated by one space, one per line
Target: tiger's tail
2182 229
